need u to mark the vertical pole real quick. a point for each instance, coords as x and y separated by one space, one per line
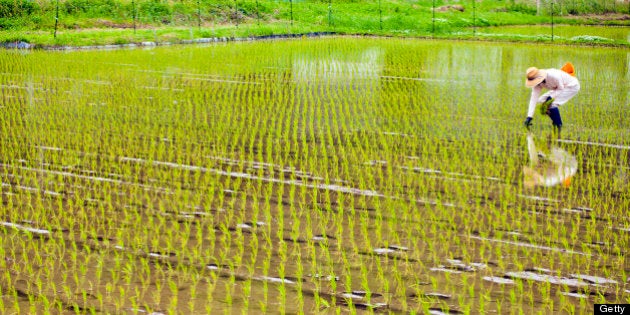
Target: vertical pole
133 14
198 14
56 18
329 13
291 2
552 20
236 12
380 15
433 20
257 13
474 24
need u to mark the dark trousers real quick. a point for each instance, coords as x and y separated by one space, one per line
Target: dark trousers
554 114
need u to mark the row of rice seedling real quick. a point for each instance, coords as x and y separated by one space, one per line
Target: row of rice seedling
304 176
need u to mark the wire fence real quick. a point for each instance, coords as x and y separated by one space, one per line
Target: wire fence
414 18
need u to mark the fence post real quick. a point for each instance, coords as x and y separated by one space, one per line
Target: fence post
56 18
330 13
133 15
236 12
433 19
474 24
257 13
552 20
380 15
198 14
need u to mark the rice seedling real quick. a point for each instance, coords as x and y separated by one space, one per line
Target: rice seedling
334 175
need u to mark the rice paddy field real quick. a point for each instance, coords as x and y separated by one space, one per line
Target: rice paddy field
331 175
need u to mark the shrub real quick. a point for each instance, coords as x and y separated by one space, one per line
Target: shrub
90 7
155 10
522 8
15 8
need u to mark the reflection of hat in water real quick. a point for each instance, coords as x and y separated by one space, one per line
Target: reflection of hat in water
535 76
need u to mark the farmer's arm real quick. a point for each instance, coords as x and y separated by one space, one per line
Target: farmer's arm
532 100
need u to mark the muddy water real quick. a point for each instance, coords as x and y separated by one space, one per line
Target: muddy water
320 176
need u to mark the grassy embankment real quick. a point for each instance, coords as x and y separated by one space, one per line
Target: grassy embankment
103 22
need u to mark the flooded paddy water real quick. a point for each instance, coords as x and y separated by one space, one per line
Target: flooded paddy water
310 176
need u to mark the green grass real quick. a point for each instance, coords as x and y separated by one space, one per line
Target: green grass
112 22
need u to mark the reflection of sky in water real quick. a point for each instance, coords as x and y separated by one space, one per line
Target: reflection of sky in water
340 68
465 65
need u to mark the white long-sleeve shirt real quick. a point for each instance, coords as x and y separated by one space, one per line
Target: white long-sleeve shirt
561 85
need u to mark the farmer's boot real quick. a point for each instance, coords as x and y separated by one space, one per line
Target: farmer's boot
554 114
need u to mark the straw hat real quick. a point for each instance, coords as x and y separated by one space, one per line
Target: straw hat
535 76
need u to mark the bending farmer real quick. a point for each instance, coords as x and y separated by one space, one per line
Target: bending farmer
561 86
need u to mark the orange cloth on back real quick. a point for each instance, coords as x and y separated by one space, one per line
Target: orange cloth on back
568 68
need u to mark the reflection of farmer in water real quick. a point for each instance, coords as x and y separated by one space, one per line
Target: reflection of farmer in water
548 167
561 85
